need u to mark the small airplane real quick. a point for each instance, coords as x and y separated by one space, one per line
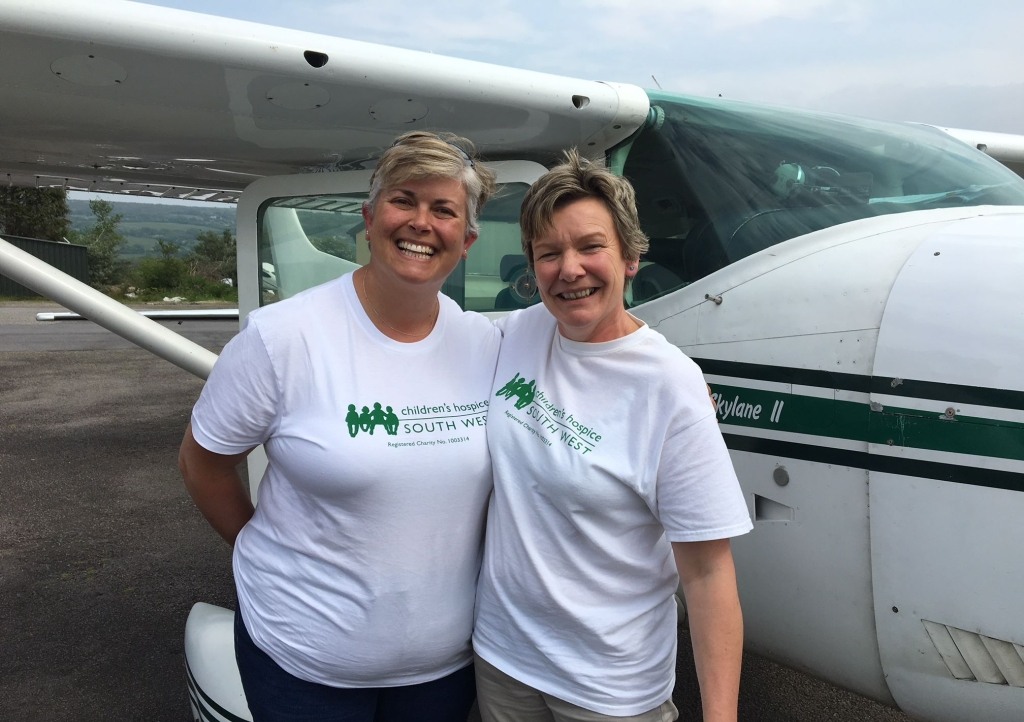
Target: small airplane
851 289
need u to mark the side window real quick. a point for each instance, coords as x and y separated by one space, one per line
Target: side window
669 215
496 275
308 240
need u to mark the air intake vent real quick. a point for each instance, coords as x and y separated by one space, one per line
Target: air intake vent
973 656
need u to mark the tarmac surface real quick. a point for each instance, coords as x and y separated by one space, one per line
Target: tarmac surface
102 553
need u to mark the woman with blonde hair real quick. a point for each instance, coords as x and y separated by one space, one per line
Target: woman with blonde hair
356 570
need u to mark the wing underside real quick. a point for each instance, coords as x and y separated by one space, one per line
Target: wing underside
123 97
1007 148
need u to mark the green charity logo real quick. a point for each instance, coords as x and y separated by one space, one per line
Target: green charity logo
545 419
519 387
367 420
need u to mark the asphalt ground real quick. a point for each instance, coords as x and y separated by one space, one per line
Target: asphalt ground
102 553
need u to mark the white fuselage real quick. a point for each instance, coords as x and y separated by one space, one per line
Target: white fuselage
874 405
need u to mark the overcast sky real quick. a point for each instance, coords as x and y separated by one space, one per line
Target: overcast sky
944 62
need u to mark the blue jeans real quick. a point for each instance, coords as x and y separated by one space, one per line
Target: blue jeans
274 695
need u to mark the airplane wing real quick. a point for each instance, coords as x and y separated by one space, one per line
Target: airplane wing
123 97
1007 148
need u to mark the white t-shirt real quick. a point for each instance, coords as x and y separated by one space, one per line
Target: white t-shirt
603 453
359 566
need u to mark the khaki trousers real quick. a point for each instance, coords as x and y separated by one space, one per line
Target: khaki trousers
504 699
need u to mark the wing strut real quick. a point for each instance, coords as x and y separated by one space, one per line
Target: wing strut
43 278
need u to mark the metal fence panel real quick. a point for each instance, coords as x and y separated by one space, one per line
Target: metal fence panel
67 257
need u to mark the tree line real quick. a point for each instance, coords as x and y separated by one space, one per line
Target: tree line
207 270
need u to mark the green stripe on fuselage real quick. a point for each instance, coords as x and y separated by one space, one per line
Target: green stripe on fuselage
855 421
907 388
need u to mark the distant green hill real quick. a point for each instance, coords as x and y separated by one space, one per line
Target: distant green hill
145 223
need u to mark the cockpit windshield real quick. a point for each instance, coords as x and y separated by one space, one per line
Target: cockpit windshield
718 181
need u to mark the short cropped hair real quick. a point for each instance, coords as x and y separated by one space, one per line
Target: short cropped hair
575 179
420 154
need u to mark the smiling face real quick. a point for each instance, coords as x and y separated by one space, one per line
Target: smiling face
418 230
581 272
